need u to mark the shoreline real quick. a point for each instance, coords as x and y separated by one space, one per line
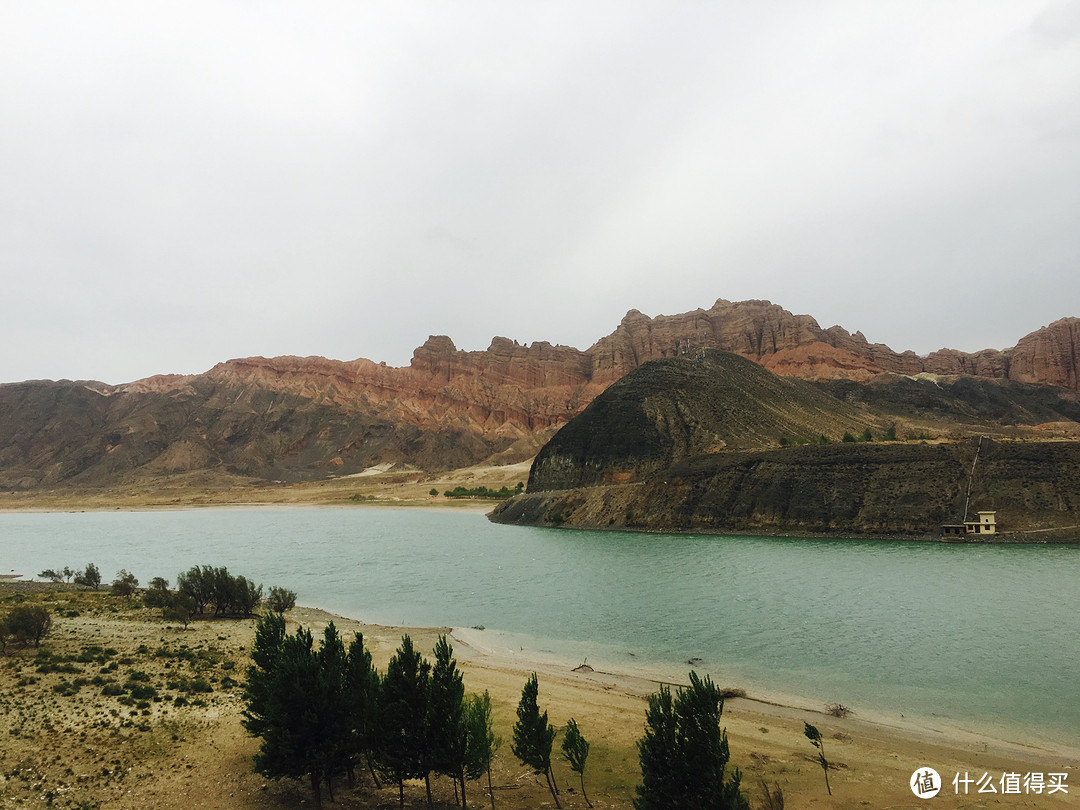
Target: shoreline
473 647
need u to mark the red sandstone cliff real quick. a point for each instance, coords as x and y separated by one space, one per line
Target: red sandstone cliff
510 389
295 417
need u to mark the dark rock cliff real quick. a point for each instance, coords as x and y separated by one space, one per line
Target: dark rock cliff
894 490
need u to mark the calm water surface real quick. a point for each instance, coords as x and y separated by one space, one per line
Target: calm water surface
970 634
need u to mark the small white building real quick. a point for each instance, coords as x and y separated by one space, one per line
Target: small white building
986 524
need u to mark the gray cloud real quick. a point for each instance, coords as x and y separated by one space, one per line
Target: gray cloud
184 183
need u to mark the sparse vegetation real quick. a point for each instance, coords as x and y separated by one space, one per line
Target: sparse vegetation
481 492
837 710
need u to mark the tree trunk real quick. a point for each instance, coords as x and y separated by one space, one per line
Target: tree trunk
551 787
491 791
427 784
316 788
374 776
330 785
401 792
824 766
464 804
582 775
350 773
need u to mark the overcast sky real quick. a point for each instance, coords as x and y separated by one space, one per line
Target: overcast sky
183 183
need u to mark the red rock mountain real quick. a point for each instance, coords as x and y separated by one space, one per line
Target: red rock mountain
294 417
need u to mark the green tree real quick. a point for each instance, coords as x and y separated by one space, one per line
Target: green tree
90 577
269 637
362 684
281 599
433 492
814 736
245 596
158 594
125 583
331 686
51 575
890 434
533 735
481 742
198 583
5 631
293 703
576 750
402 736
684 752
848 438
445 718
178 607
867 436
29 623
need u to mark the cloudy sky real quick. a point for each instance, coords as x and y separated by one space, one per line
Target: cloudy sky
182 183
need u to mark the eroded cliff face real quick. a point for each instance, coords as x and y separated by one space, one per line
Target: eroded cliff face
446 408
893 490
796 346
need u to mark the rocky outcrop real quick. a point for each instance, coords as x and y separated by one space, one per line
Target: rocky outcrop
887 490
676 407
795 345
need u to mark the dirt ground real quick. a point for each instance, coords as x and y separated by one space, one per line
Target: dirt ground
380 485
120 709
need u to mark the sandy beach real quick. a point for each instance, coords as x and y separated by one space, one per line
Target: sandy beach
64 749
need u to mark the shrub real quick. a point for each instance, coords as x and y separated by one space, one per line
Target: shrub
29 623
281 599
837 709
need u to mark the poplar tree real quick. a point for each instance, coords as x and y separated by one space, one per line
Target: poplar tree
533 735
403 717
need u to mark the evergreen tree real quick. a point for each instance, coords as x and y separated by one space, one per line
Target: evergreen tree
296 721
480 740
533 735
361 704
576 750
684 752
403 717
269 636
337 737
658 754
446 706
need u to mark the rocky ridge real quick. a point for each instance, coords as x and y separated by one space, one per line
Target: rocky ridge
292 417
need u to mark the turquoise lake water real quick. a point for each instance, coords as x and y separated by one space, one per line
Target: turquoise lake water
967 634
